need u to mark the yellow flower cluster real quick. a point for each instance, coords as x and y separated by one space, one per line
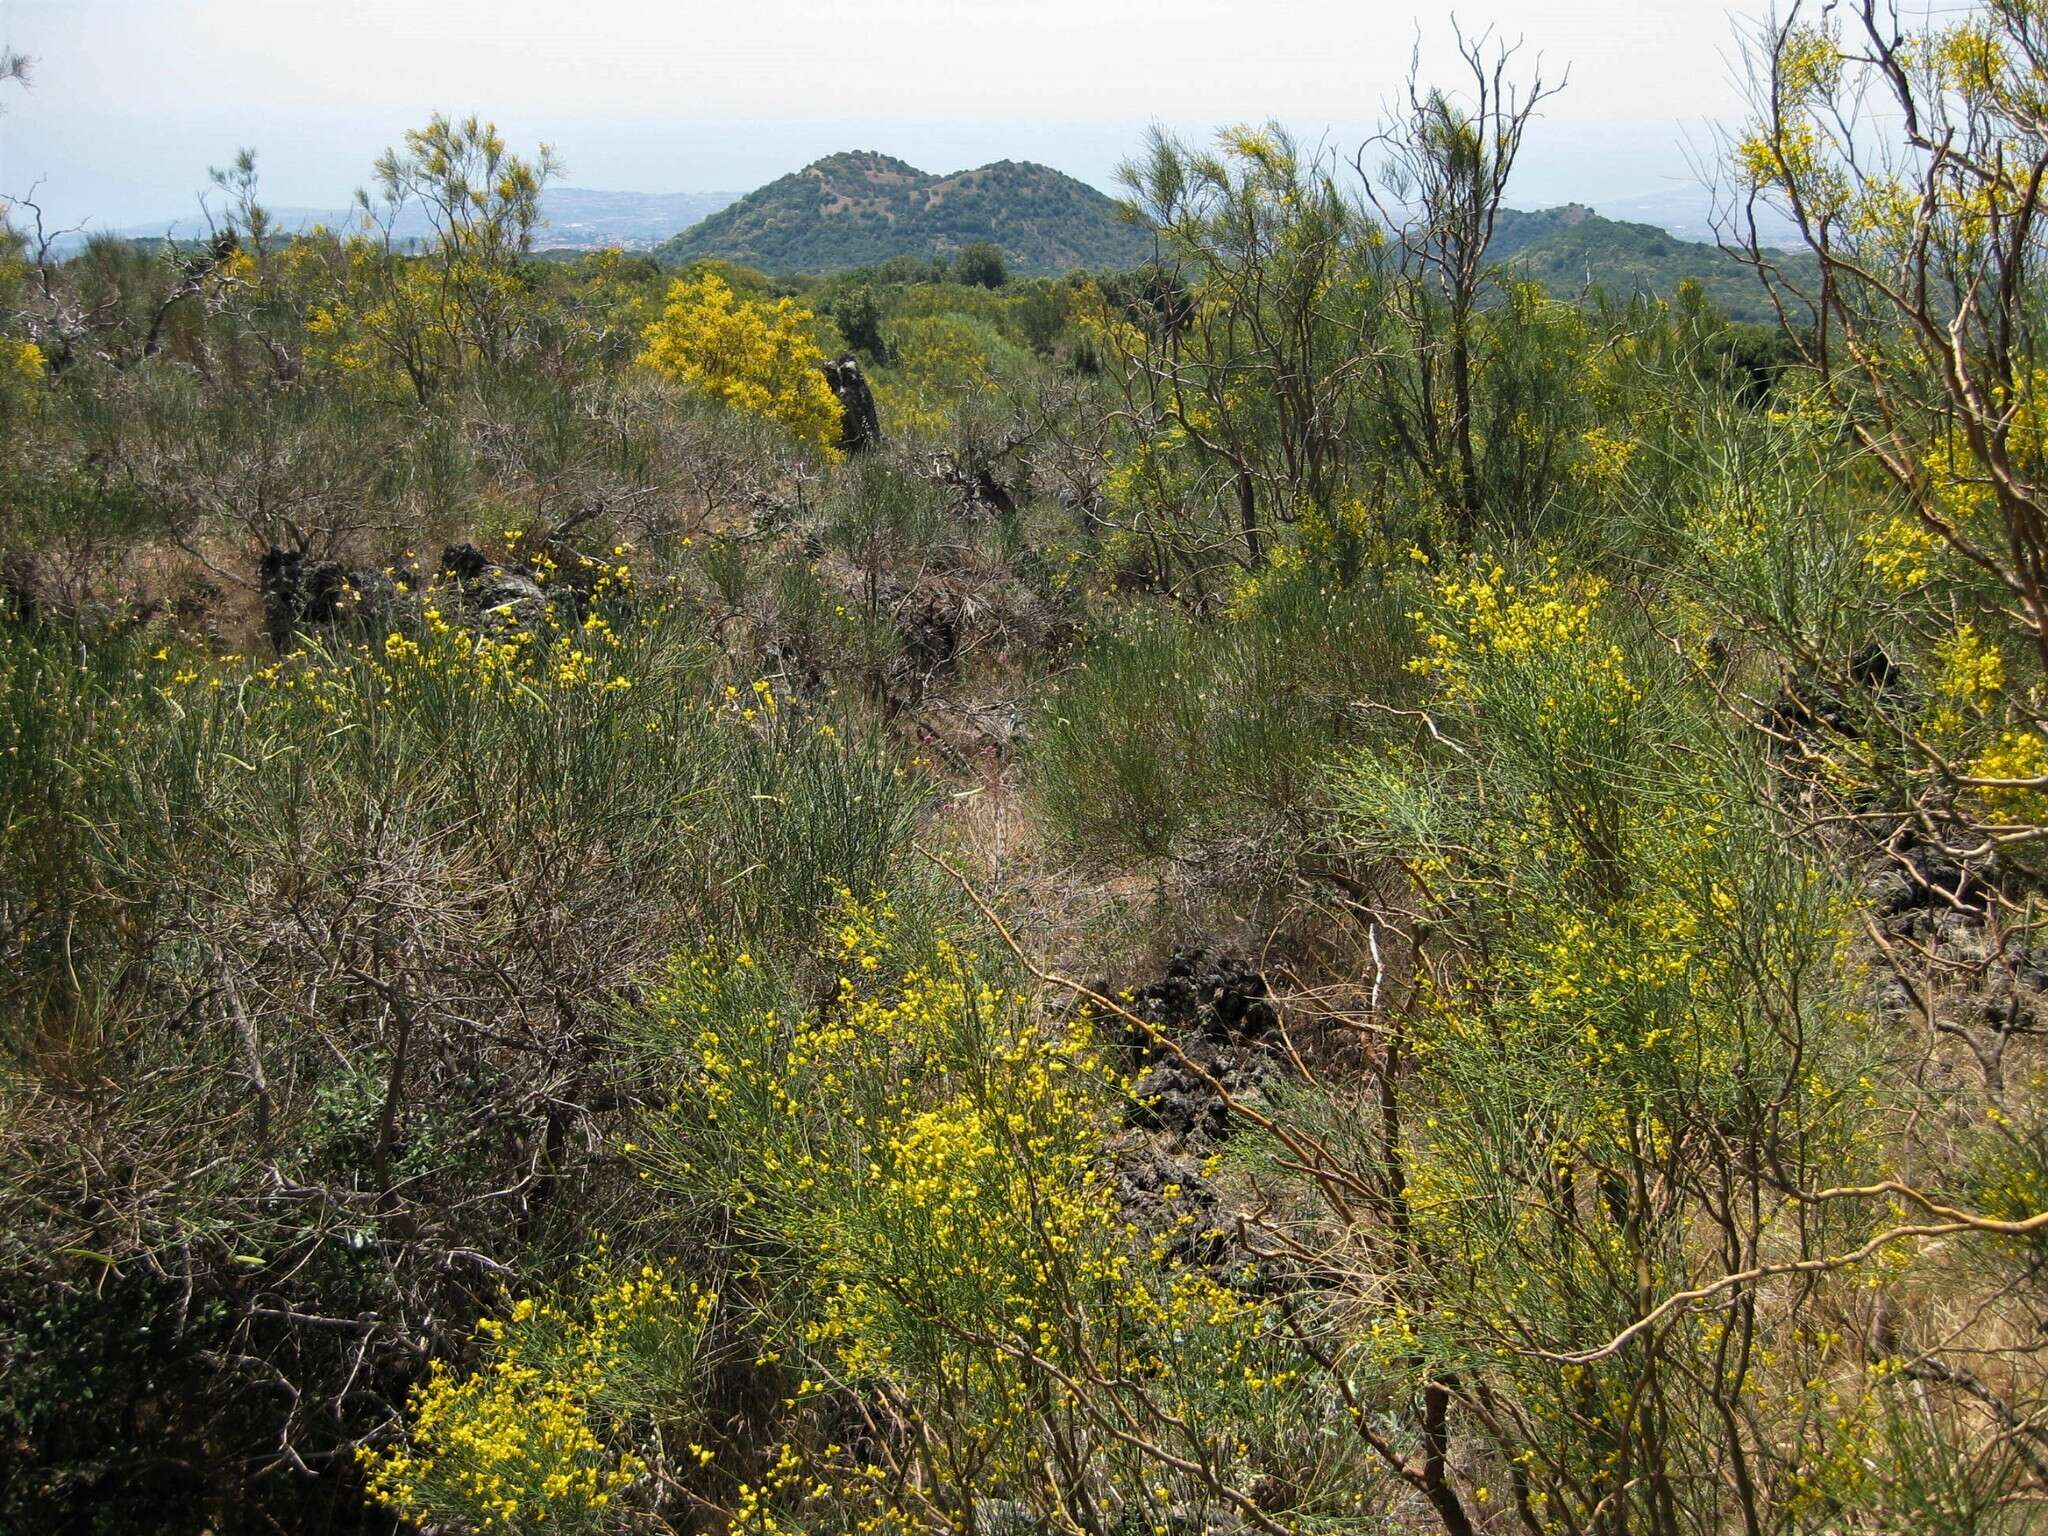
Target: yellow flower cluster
936 361
757 702
754 1513
1901 552
22 367
1793 154
933 1147
522 1443
1605 458
1549 620
1970 58
755 357
556 656
1969 673
1809 63
1958 484
1612 997
1971 669
2020 759
1601 1006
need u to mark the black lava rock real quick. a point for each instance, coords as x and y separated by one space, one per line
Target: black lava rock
860 427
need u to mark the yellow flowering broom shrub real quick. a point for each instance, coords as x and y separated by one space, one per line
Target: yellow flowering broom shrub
535 1436
936 364
1922 247
23 372
1635 1034
755 357
921 1163
1888 667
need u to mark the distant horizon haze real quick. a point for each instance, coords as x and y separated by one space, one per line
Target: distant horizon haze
134 99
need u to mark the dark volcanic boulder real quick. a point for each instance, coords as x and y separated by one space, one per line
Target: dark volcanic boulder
282 573
21 587
1213 1042
859 427
497 595
301 594
1217 1012
1213 996
930 620
1811 704
1171 1098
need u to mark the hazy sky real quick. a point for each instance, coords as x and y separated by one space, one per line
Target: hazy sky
133 99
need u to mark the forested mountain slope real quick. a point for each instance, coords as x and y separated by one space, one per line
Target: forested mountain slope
1572 250
857 209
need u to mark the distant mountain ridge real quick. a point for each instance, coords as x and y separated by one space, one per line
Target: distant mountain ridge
1571 249
859 208
572 218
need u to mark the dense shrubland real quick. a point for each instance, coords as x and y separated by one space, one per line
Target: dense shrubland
1328 894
